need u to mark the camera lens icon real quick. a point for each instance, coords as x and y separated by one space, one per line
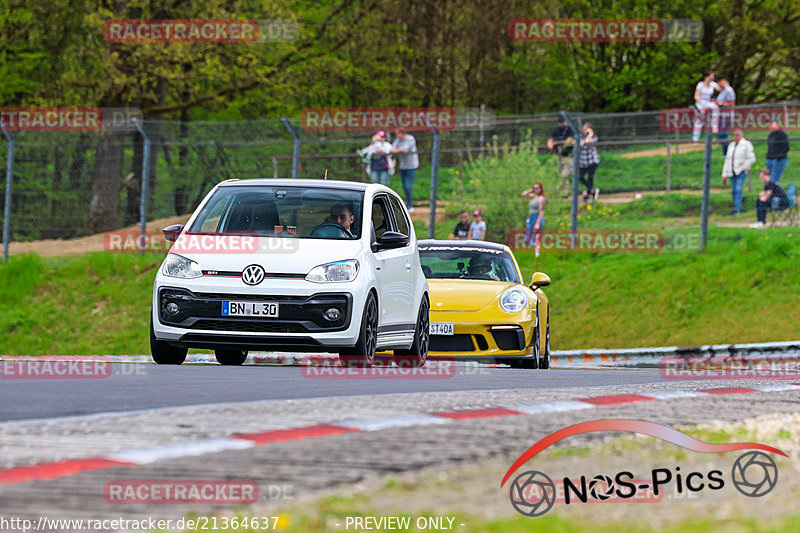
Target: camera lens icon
754 474
532 493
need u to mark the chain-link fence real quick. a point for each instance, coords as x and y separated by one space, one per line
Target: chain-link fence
650 174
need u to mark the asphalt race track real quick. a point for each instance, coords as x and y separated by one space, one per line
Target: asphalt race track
146 386
63 440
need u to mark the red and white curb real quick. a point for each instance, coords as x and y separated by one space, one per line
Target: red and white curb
242 441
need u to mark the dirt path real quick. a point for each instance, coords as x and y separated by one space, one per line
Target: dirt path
674 149
82 245
626 197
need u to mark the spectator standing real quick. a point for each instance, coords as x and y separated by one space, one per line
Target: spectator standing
772 197
461 231
703 103
738 161
477 228
534 224
560 143
725 98
405 146
589 161
378 153
777 152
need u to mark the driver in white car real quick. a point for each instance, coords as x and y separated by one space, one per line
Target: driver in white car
342 214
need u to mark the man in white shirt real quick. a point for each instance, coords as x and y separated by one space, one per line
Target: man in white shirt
738 161
405 146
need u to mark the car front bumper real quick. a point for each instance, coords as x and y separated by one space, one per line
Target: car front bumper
300 325
475 337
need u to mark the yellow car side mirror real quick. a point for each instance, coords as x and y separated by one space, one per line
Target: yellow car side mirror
539 280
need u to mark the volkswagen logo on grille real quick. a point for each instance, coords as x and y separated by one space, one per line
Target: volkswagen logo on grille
253 275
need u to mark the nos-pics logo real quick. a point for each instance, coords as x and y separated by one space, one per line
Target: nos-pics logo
533 493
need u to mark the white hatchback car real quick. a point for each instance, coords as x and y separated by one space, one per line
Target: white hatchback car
293 265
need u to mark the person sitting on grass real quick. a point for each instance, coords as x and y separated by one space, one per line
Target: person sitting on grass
773 197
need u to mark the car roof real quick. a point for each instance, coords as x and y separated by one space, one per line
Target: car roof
313 183
463 244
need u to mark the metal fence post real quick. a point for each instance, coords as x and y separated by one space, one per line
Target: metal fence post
9 184
706 191
295 147
145 185
669 176
434 183
576 154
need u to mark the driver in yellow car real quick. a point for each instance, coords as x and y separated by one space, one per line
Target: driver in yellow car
480 266
343 215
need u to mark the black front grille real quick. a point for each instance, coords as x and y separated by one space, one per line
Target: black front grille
251 326
451 343
509 339
297 314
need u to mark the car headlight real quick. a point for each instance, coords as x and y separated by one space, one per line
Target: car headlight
336 272
513 300
177 266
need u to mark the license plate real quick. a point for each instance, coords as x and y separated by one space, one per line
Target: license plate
441 328
254 309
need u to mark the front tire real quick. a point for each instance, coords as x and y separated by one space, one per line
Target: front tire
164 353
532 363
417 355
363 353
230 357
544 360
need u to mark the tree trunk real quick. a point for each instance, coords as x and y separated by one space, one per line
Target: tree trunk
104 206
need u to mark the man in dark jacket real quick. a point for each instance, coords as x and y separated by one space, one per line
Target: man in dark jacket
560 143
777 150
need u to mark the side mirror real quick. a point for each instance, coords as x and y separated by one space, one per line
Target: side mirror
539 280
390 240
171 232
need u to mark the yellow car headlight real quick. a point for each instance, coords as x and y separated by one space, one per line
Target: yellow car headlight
513 300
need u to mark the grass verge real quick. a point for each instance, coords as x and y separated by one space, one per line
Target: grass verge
742 289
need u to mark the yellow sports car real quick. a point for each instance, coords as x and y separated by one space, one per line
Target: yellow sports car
480 308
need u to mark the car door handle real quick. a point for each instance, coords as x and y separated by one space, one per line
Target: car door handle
408 266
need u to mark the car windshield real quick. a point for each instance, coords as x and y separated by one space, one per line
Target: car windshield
463 262
302 212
